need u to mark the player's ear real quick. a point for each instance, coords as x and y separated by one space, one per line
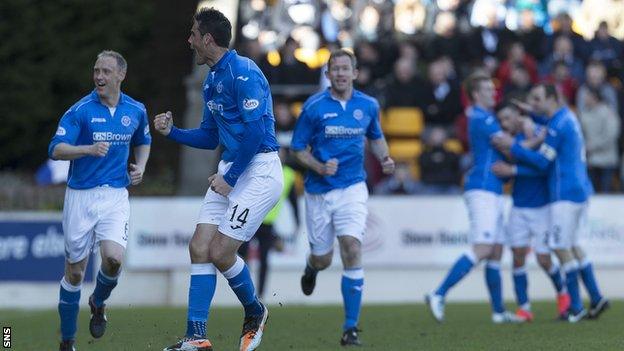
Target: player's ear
327 72
207 39
355 73
122 75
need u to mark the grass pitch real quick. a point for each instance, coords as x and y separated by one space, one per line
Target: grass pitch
392 327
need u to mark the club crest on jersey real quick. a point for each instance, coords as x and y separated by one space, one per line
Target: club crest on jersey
358 114
61 131
125 121
219 87
250 104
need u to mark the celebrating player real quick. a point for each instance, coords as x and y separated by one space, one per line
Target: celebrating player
96 134
562 157
485 204
239 116
529 218
329 139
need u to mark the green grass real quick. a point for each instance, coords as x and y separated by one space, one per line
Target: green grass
393 327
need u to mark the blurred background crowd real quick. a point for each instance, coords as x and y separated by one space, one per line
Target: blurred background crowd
413 55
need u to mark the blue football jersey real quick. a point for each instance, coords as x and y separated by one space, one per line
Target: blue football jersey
530 191
235 91
562 157
89 121
482 125
334 131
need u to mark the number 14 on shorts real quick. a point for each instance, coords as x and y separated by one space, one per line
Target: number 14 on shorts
241 219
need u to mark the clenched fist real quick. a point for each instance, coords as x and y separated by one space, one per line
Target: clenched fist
330 167
99 149
163 123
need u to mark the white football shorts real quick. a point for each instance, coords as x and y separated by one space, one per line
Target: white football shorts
93 215
568 221
486 216
526 224
338 212
256 192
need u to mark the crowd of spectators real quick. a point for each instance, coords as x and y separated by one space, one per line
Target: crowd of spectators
424 71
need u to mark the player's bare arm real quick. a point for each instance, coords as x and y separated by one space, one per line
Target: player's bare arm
64 151
306 158
379 147
141 155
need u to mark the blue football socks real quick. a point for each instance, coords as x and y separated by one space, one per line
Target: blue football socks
351 287
462 266
103 287
201 291
495 285
69 298
240 281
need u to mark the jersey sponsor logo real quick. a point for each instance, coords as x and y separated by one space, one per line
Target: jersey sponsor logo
244 79
250 104
61 131
113 138
330 115
146 129
342 132
219 87
125 121
98 120
358 114
213 106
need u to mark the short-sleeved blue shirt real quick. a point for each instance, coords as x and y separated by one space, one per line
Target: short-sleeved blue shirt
89 121
482 125
334 131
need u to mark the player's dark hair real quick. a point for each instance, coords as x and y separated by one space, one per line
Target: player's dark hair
473 82
214 22
342 52
550 90
507 103
121 61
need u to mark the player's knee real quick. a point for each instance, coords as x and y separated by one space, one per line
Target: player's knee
75 277
321 262
544 261
199 253
578 252
518 261
113 264
351 252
